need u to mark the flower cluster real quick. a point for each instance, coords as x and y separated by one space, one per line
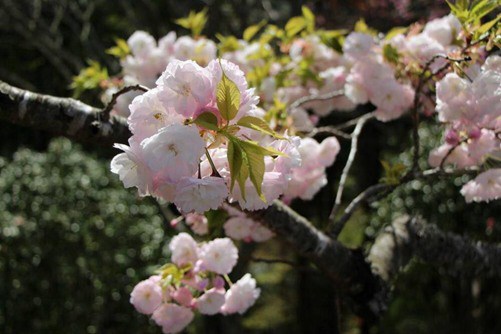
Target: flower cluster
148 59
192 131
194 282
470 107
310 177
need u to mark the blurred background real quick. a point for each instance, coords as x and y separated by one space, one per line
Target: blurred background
73 241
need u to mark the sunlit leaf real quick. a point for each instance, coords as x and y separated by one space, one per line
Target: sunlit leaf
252 30
294 26
228 98
258 124
207 120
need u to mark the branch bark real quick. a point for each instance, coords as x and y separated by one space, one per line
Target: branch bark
60 116
413 237
347 268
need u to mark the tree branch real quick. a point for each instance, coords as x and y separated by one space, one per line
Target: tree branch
413 237
345 267
60 116
316 97
344 176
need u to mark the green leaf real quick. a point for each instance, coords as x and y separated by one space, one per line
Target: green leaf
395 31
235 161
252 30
227 44
216 220
487 26
390 54
207 120
255 165
121 50
362 27
228 98
194 22
295 25
89 78
309 18
246 160
393 173
482 8
258 124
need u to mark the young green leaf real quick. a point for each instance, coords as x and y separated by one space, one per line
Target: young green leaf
89 78
120 50
228 98
487 26
362 27
194 22
309 18
207 120
235 161
390 54
258 124
252 30
294 26
394 32
255 165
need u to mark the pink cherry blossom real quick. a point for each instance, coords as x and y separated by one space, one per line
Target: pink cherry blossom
484 188
198 223
184 249
132 169
172 318
183 296
148 115
185 87
146 296
200 195
241 295
174 152
219 255
358 45
260 233
238 227
211 301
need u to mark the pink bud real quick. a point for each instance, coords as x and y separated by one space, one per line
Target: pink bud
452 137
218 282
202 284
183 296
475 133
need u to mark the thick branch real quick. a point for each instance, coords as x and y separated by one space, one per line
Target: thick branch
346 267
458 255
61 116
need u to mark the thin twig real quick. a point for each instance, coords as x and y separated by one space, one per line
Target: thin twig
442 163
415 108
347 167
329 130
350 209
353 122
107 110
315 97
369 194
